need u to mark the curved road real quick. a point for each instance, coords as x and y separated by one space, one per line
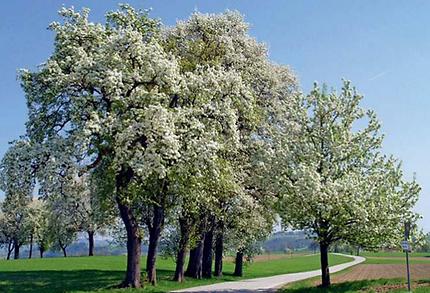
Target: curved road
269 284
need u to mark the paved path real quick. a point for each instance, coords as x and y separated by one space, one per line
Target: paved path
268 284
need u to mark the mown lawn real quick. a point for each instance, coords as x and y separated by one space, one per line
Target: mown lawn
102 273
381 285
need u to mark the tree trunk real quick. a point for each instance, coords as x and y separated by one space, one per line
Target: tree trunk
16 247
41 251
194 269
132 275
219 248
182 251
207 255
64 251
325 274
9 250
154 236
63 247
191 261
238 267
31 246
90 243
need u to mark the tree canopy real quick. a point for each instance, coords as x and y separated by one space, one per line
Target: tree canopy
192 132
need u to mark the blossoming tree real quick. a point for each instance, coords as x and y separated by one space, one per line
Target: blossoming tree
105 91
17 181
137 105
333 180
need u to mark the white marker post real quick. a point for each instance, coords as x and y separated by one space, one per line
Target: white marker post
406 248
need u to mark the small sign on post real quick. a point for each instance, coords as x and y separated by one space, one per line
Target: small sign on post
405 246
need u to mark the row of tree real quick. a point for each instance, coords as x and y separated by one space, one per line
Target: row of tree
193 132
50 222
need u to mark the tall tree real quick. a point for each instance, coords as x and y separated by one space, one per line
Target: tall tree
226 66
333 180
104 91
124 96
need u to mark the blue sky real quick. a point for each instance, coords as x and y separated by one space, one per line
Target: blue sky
382 46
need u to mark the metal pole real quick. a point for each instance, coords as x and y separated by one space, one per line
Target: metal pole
407 230
407 269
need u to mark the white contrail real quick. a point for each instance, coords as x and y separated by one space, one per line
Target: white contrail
380 74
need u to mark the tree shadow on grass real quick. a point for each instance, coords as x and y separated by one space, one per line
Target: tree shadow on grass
58 281
64 281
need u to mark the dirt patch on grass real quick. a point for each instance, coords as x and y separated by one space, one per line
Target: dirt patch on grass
389 288
382 271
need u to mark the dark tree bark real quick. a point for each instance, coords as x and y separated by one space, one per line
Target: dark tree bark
41 251
219 249
16 247
90 243
30 253
191 261
9 249
155 228
63 248
194 269
325 274
238 267
132 275
182 251
207 255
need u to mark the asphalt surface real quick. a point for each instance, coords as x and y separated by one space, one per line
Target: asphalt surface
269 284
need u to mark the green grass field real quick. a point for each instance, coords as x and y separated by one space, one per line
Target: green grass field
101 273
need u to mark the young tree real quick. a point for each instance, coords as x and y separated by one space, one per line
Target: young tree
62 223
63 234
17 181
15 224
6 235
37 221
250 223
92 212
333 181
42 233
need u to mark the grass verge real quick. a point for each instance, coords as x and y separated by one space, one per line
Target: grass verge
100 273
